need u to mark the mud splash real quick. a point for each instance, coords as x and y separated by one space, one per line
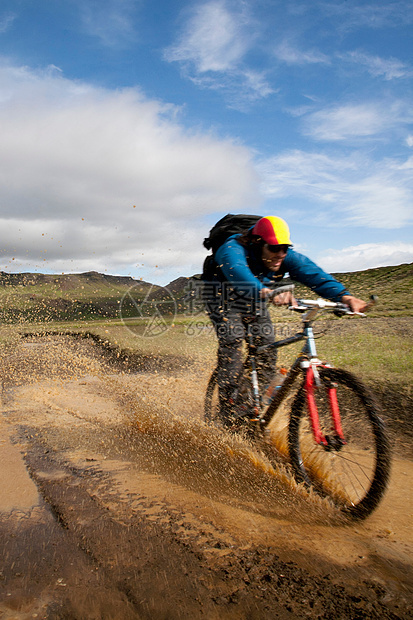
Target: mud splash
160 507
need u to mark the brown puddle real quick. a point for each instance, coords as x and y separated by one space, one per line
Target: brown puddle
123 454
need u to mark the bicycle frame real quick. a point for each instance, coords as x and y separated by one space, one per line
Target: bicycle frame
353 470
307 362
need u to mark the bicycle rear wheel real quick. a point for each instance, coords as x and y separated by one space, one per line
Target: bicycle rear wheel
211 402
243 404
354 475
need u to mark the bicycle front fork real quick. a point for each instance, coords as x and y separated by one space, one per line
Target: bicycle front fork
311 383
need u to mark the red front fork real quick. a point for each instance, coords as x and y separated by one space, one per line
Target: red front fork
313 412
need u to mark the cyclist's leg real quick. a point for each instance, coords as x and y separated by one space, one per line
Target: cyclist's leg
231 333
263 331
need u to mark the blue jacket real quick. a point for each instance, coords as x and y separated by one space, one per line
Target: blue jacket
242 266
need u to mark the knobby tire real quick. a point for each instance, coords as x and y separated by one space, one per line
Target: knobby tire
210 407
243 406
354 476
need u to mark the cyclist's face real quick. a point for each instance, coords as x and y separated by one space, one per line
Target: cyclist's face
273 256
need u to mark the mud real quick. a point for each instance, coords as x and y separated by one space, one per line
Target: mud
117 502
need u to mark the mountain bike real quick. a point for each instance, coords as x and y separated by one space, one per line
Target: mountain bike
336 441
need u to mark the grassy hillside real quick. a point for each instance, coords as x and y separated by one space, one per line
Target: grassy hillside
378 349
40 297
392 285
88 296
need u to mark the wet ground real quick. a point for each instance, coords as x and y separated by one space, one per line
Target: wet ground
118 502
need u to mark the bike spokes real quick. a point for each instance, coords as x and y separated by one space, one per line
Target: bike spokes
354 470
330 442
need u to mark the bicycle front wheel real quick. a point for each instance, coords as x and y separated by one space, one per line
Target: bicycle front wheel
355 474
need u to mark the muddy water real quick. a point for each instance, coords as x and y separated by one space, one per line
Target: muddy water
134 508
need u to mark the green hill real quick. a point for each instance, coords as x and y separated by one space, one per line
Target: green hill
392 285
41 297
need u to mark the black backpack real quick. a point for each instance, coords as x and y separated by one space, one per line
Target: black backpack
229 225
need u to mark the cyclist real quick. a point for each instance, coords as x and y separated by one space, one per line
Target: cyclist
236 290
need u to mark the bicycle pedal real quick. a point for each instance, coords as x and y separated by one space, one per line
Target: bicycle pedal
247 415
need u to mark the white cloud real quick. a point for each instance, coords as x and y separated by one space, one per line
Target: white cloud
78 246
75 160
344 191
6 21
353 14
212 49
380 201
214 39
352 121
389 68
366 256
293 56
110 21
256 84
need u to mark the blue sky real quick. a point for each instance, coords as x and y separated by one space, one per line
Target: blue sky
130 126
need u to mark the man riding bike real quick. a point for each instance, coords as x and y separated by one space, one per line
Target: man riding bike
245 266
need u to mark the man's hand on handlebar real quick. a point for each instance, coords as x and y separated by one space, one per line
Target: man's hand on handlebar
282 299
355 305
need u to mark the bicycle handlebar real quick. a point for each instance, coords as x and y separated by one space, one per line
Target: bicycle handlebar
306 304
339 308
313 306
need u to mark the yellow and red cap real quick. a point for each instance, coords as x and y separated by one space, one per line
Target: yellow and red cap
273 230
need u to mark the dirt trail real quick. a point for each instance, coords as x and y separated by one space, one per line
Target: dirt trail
134 509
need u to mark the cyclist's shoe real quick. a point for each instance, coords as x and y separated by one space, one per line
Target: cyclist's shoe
227 414
236 409
234 418
229 422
